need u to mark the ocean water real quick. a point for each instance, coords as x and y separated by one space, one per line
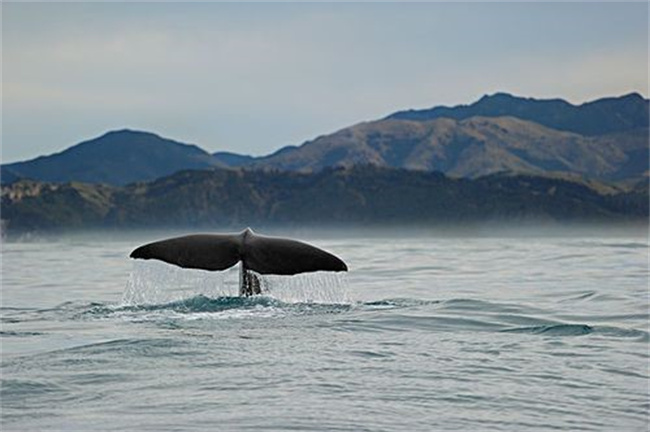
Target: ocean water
425 333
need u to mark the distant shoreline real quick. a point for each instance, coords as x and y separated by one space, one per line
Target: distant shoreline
362 198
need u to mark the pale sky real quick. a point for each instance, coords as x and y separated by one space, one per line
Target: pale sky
253 77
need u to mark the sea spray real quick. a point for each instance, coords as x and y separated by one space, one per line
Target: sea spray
318 287
154 282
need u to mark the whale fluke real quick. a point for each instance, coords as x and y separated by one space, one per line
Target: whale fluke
202 251
270 255
261 254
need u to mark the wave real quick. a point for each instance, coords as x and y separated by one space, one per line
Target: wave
201 303
201 307
554 330
394 314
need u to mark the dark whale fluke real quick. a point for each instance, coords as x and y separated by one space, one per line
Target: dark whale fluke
261 254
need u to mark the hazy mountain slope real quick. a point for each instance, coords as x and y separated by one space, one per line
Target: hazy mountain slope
602 116
8 175
115 158
472 147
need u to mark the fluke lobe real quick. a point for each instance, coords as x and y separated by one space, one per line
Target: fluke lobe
257 253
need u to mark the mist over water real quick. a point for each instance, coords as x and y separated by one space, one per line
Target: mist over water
426 332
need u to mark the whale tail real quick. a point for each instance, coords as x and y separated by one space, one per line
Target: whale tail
259 254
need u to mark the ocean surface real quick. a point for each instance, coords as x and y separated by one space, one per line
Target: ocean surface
428 332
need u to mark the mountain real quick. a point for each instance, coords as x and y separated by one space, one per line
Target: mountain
360 196
233 159
472 147
599 117
603 140
115 158
8 175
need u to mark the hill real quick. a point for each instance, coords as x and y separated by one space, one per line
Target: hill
361 196
115 158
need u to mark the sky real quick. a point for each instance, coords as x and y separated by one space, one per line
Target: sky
254 77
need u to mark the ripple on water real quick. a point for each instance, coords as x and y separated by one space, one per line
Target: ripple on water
554 330
452 335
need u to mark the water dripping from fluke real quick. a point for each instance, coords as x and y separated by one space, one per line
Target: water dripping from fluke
318 288
157 283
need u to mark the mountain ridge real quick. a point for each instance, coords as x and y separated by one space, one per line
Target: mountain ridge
597 117
489 136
